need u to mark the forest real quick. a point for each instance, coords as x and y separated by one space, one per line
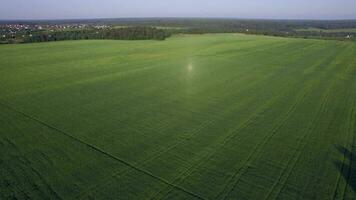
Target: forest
162 28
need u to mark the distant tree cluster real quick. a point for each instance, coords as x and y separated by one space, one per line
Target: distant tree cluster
279 33
281 28
129 33
160 29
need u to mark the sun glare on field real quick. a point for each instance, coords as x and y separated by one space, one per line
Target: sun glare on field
95 109
190 67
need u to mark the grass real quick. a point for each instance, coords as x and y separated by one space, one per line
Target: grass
224 116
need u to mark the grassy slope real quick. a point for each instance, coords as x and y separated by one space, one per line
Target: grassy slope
213 116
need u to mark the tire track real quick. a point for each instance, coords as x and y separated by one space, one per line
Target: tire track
302 142
100 151
349 136
351 156
40 177
258 148
15 188
352 129
229 137
196 131
208 155
255 152
297 153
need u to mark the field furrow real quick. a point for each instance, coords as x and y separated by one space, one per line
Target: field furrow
212 116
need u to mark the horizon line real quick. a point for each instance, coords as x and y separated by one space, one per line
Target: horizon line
187 17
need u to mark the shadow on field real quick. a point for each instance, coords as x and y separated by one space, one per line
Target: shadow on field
348 168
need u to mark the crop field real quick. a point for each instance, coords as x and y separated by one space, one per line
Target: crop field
225 116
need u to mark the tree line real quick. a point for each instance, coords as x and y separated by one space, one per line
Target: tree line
127 33
148 29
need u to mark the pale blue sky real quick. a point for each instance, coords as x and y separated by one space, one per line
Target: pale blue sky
280 9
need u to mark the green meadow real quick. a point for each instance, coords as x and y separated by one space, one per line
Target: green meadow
225 116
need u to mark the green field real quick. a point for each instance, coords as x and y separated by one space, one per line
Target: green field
224 116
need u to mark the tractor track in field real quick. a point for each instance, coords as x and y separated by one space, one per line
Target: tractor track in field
301 144
256 151
297 153
351 150
12 173
125 172
215 118
344 160
208 155
351 135
337 185
311 125
228 137
100 151
159 153
339 177
26 162
258 148
344 157
133 167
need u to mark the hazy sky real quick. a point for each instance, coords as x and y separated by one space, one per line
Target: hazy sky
291 9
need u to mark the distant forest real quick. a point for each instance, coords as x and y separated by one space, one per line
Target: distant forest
161 28
129 33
